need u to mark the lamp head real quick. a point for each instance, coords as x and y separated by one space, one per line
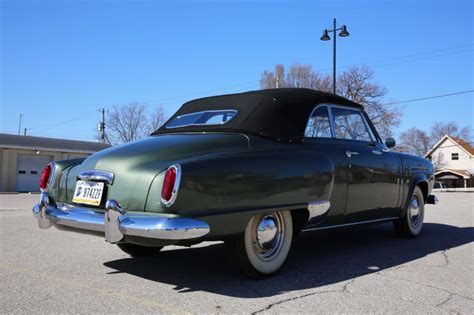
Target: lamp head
344 32
325 35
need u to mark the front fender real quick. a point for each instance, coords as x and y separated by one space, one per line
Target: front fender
419 172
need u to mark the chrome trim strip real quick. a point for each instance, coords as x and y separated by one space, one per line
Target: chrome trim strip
318 208
177 182
348 224
97 176
116 224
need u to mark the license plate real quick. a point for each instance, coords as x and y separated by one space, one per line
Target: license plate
89 193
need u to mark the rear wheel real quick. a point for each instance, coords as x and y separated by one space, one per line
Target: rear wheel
139 251
264 246
411 223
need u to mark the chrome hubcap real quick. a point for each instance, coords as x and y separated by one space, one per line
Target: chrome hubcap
414 211
267 235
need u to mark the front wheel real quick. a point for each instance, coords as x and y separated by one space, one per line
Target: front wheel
411 223
139 251
264 246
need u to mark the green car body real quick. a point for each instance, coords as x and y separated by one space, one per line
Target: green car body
229 176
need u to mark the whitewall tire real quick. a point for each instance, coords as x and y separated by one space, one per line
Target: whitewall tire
264 246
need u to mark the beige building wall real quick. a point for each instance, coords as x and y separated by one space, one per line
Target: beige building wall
9 158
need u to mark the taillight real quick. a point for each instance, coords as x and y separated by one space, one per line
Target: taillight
45 176
170 187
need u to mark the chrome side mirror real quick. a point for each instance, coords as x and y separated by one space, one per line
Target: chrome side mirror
390 142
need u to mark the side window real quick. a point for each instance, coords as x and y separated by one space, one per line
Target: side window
318 124
349 124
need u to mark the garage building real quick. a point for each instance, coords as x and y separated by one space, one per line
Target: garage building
22 158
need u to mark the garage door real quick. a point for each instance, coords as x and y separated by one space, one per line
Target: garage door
28 173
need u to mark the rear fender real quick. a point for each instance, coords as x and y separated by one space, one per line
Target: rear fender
227 191
57 186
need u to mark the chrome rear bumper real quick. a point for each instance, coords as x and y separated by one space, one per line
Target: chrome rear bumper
116 223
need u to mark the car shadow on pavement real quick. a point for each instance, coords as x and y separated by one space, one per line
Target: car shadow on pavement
317 259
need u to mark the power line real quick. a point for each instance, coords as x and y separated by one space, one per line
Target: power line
429 97
84 116
375 64
177 98
463 47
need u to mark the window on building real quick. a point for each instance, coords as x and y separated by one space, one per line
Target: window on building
454 156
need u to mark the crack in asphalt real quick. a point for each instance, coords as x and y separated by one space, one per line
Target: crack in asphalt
343 290
446 258
449 298
439 305
446 262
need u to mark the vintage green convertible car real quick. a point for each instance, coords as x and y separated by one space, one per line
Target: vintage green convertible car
252 169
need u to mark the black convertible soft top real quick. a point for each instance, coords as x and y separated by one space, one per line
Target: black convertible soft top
280 114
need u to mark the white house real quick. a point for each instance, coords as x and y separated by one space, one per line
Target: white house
453 159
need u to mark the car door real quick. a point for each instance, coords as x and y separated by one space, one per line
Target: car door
319 137
373 172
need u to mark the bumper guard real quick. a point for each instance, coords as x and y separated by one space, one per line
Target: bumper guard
116 223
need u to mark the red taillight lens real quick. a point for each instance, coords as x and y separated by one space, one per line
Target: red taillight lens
45 176
169 184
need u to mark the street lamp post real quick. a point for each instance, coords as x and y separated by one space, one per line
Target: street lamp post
325 37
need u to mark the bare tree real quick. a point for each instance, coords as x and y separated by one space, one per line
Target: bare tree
300 76
415 141
419 142
157 118
356 84
273 79
440 129
127 123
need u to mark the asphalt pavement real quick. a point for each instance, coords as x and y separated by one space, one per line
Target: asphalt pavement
353 270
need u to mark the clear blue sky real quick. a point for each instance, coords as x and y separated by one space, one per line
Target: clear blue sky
62 60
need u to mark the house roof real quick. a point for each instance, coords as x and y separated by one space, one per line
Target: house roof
50 144
466 146
461 143
280 114
463 173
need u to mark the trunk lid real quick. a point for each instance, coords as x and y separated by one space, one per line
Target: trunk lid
136 164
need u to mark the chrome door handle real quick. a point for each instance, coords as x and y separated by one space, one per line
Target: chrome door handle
351 153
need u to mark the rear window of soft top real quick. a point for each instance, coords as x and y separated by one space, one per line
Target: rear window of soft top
207 117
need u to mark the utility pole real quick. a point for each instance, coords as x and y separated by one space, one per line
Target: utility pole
24 131
19 124
101 126
277 83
